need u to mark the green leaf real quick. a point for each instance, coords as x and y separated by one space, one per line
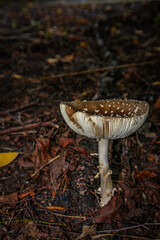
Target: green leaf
6 158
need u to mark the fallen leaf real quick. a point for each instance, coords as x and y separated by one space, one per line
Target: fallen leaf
73 37
150 135
86 237
138 32
17 76
80 149
57 168
59 10
153 158
52 60
144 174
31 231
6 158
82 21
83 44
113 30
64 141
152 192
113 205
129 195
9 199
25 194
135 42
157 104
68 59
156 83
26 163
87 232
41 154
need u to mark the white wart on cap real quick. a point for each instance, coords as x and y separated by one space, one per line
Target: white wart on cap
107 119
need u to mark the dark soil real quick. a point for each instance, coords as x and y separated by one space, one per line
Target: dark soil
51 53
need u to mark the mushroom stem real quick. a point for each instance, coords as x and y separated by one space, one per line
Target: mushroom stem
105 172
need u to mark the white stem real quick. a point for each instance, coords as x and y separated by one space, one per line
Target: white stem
105 172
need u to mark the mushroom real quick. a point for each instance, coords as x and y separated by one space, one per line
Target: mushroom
104 120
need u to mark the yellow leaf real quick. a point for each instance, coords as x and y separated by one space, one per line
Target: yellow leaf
6 158
59 10
156 83
17 76
83 44
52 60
113 30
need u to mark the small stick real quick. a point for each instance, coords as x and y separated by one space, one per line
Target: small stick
99 70
19 108
124 235
131 227
88 71
70 216
28 127
63 215
51 160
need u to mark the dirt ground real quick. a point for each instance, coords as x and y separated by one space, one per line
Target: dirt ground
52 53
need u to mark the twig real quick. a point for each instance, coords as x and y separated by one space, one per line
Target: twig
120 235
19 108
28 127
30 220
99 70
131 227
22 133
66 216
25 37
51 160
85 72
69 216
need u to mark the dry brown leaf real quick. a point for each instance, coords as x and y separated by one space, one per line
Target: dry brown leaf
10 199
64 141
57 168
144 174
29 229
67 59
41 154
82 21
153 157
157 104
106 211
80 149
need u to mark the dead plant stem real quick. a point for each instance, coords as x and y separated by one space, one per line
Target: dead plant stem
129 65
122 235
28 127
19 108
131 227
69 216
51 160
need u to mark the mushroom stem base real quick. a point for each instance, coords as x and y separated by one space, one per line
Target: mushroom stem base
105 172
106 185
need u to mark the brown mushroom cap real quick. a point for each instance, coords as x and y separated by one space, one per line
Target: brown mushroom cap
108 119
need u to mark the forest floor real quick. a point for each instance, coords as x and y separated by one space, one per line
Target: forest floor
50 54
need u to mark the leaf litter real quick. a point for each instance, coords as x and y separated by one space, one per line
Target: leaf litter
50 192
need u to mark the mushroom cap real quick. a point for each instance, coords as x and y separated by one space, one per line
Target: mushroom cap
108 119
